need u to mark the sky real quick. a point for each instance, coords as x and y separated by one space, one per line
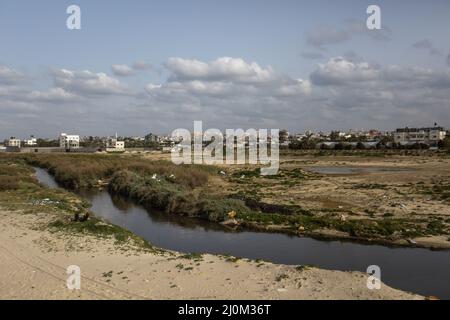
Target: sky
153 66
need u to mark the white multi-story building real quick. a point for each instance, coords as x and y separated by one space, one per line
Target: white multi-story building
429 136
67 141
31 142
115 145
13 142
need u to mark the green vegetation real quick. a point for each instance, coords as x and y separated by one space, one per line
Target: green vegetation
185 190
171 197
154 184
437 191
25 194
192 256
78 171
303 268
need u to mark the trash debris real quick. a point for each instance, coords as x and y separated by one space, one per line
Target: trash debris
230 223
45 201
301 228
223 173
343 218
232 214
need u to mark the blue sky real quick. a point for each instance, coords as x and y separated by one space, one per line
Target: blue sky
291 40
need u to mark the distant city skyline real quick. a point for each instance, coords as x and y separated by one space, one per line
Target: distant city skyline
154 66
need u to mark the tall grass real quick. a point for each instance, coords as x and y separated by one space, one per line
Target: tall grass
13 173
173 198
84 171
158 184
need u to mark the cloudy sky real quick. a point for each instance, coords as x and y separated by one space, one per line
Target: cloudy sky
154 66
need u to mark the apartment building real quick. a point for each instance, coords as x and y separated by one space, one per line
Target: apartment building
430 136
31 142
13 142
115 145
67 141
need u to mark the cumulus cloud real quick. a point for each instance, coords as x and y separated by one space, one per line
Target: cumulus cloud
372 93
52 95
221 69
228 76
88 83
226 91
122 70
342 92
339 71
9 76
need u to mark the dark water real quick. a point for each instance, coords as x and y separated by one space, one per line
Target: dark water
353 170
416 270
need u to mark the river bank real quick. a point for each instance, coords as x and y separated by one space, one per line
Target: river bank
425 268
33 266
50 213
287 203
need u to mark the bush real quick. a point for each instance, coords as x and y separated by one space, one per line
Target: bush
83 171
8 183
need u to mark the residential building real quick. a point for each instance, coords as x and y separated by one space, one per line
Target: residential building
115 145
430 136
31 142
13 142
67 141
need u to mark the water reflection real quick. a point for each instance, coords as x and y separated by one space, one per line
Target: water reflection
416 270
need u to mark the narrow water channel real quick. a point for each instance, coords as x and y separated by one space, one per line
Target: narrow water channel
416 270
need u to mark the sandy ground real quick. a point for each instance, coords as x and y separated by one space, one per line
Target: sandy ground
33 265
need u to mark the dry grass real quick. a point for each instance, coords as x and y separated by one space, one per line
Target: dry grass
82 171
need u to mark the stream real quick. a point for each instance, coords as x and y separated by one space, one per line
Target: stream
417 270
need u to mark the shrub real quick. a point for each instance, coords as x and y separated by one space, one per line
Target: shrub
8 183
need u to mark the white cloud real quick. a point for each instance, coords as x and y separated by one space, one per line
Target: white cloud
221 69
52 95
366 93
338 71
88 83
122 70
9 76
